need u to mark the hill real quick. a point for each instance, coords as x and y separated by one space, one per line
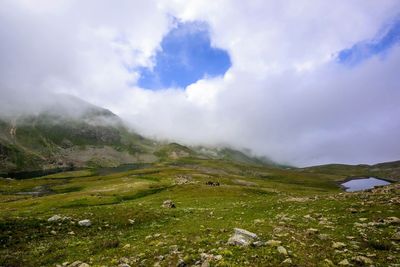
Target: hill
75 134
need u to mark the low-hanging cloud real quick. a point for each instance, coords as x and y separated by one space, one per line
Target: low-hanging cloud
285 95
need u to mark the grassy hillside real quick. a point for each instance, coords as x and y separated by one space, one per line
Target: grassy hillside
305 213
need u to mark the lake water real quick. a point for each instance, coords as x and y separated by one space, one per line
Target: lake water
363 184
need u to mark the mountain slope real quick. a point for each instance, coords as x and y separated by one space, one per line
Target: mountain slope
71 133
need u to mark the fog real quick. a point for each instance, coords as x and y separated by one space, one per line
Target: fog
286 95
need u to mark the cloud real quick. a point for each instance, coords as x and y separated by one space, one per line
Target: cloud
285 95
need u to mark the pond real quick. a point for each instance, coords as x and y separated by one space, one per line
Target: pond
358 184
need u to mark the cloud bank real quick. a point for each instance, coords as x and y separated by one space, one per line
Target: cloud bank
285 96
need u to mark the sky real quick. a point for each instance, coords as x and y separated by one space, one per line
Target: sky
302 82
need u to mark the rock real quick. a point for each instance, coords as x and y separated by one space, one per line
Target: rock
205 264
75 264
131 221
218 257
362 260
168 204
54 218
312 231
78 264
323 236
86 223
396 236
53 232
181 263
392 220
242 237
338 245
124 265
257 244
282 250
287 262
328 262
344 262
124 260
273 243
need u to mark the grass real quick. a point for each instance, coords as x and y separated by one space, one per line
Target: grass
128 221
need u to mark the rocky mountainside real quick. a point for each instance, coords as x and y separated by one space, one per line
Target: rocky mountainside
72 133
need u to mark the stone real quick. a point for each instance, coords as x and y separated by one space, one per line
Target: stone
53 232
205 264
362 260
288 261
396 236
344 262
328 262
124 260
242 237
86 223
257 244
75 264
392 220
218 257
84 265
55 218
312 231
273 243
181 263
124 265
282 250
168 204
323 236
338 245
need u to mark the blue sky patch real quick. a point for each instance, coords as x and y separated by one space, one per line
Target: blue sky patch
186 56
363 50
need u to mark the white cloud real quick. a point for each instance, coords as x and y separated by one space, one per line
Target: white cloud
283 97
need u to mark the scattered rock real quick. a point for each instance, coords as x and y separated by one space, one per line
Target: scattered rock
312 231
257 244
78 264
288 261
168 204
396 236
328 262
55 218
344 262
242 237
338 245
282 250
323 236
181 263
273 243
362 260
53 232
392 220
85 222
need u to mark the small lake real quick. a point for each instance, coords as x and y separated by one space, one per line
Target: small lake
359 184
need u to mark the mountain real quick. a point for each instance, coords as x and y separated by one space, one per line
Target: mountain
387 170
71 133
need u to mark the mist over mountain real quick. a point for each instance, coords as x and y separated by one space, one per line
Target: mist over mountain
300 87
